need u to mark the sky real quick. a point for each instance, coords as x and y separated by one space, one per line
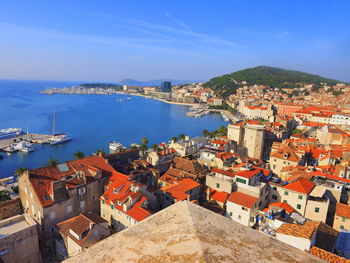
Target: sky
111 40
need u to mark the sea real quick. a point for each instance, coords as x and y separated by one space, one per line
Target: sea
92 121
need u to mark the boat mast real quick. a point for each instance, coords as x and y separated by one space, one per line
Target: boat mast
53 121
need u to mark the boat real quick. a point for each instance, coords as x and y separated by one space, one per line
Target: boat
59 138
115 146
24 146
9 149
10 133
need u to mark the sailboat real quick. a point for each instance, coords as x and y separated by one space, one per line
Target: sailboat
59 137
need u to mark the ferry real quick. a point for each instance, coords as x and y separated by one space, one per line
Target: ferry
10 133
24 146
59 138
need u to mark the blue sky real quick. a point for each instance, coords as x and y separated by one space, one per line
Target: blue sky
191 40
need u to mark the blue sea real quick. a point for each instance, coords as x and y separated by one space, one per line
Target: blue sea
90 120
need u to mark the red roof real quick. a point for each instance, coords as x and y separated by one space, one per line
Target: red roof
301 185
218 196
248 173
243 199
283 205
42 178
229 172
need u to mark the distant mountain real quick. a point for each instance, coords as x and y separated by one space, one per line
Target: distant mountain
263 75
155 82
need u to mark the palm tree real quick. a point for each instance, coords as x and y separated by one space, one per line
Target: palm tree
144 142
19 171
205 133
174 139
78 155
100 151
182 137
52 162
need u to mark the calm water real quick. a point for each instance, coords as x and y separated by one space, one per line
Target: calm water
91 120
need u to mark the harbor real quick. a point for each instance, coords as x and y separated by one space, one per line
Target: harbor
32 138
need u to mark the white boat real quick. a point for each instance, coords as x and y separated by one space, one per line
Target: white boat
9 149
24 146
115 146
10 133
59 138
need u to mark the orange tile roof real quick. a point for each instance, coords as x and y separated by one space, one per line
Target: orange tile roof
42 178
178 190
243 199
283 205
301 185
248 173
343 210
229 172
327 256
218 196
304 231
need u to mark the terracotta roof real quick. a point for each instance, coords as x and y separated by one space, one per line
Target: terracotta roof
225 155
179 189
301 185
218 196
248 173
80 225
243 199
327 256
42 178
304 231
229 172
343 210
283 205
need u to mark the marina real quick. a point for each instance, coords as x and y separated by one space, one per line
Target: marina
24 142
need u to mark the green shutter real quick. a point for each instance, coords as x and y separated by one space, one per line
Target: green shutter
298 206
317 209
240 180
300 197
286 193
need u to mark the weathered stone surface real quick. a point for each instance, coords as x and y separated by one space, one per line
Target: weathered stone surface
185 232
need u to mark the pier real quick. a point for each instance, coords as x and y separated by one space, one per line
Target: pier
30 137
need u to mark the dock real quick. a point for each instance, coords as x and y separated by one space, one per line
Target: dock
30 137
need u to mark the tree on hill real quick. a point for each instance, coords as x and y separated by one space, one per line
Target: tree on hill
182 137
100 151
226 85
205 133
174 139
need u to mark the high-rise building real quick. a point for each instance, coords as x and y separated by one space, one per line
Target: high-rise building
165 86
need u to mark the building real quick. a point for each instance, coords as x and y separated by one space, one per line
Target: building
159 157
165 86
288 109
342 217
55 193
19 240
125 203
340 119
79 232
242 208
10 208
186 232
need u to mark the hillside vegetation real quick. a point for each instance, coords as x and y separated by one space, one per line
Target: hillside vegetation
263 75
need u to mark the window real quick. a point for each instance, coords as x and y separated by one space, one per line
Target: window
239 217
230 213
217 185
300 197
285 201
341 227
298 206
274 197
286 193
103 201
82 190
317 209
112 206
82 204
343 219
240 180
52 215
274 188
69 209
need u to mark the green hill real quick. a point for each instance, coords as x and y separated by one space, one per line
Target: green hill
263 75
